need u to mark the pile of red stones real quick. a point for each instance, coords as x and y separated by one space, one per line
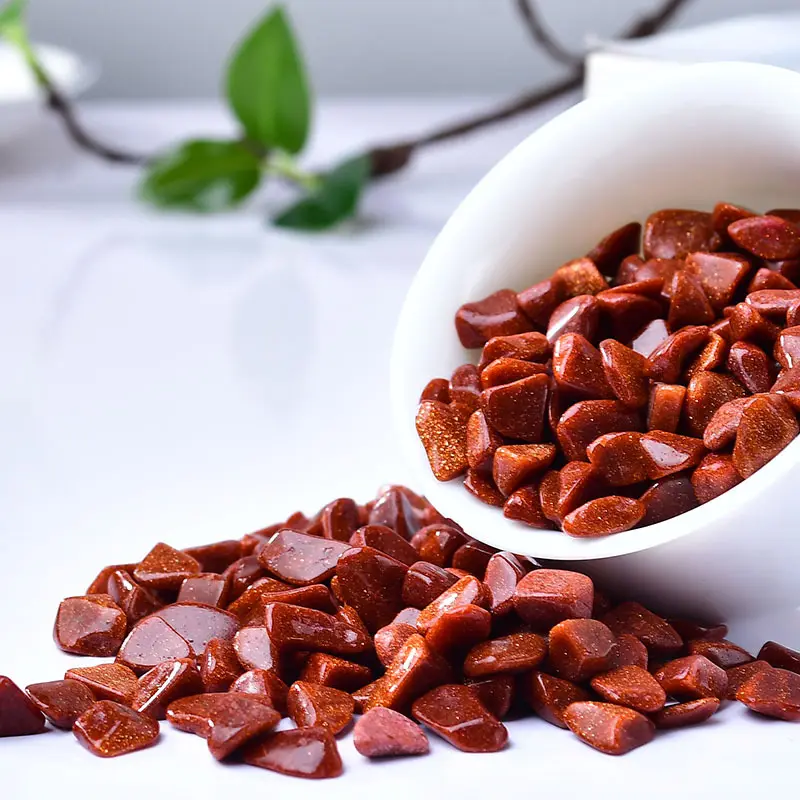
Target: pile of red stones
388 611
627 389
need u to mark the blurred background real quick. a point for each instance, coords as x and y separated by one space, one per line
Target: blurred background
176 48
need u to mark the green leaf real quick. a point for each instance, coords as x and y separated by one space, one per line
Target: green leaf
11 15
267 86
202 175
334 199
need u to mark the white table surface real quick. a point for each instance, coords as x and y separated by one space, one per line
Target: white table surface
190 379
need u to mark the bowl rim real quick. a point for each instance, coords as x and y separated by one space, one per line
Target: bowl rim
487 522
84 73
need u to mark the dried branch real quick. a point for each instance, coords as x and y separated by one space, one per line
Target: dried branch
86 141
529 12
388 159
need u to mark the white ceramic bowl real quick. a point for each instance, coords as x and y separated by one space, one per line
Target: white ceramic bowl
707 133
21 103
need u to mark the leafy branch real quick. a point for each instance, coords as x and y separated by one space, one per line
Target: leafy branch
268 92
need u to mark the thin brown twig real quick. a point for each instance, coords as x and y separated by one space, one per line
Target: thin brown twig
86 141
390 158
529 11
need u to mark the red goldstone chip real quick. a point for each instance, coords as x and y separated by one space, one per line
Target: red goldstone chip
339 519
495 693
198 624
372 583
680 715
459 628
496 315
205 587
653 631
62 702
465 386
151 641
611 729
714 475
235 724
482 486
482 442
100 584
604 516
337 673
455 713
540 300
517 464
19 716
738 676
549 696
437 543
547 596
767 425
389 639
523 346
165 683
674 233
630 686
473 556
773 693
517 409
93 625
579 314
723 653
300 559
424 583
134 600
442 430
517 652
164 567
263 682
578 368
251 599
382 732
436 389
256 649
767 237
584 421
383 538
779 656
107 681
415 670
467 590
503 573
612 249
692 678
219 666
294 628
301 753
217 556
196 713
628 651
525 505
109 729
668 498
580 648
311 705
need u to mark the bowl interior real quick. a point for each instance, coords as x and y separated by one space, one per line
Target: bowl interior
706 133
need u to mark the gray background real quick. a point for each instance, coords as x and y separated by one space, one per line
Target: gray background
176 48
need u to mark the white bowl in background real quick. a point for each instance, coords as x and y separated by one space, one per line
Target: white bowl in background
710 132
21 104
